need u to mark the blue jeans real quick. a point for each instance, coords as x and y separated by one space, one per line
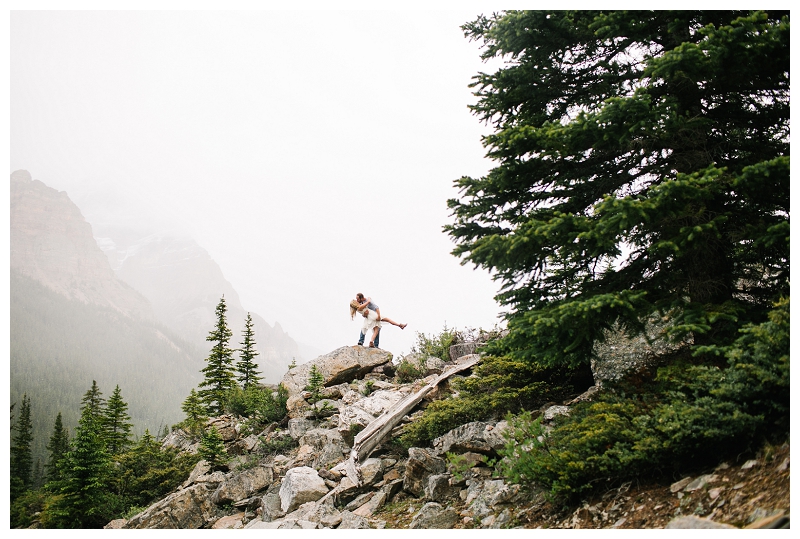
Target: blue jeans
377 338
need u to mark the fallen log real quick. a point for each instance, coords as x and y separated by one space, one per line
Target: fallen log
369 438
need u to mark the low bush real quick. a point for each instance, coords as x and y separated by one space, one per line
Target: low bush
689 416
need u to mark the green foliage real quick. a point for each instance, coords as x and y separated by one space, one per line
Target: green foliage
116 423
635 174
212 448
57 345
315 383
246 367
276 444
218 374
21 460
195 414
458 465
435 345
499 385
146 473
24 508
259 405
693 414
84 501
368 385
409 370
58 446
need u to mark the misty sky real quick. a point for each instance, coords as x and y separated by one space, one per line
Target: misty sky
310 152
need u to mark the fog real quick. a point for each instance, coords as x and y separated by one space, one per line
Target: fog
310 153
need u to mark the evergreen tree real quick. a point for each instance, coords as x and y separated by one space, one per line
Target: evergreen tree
642 171
21 459
247 368
116 423
212 448
85 472
93 402
219 374
58 446
195 413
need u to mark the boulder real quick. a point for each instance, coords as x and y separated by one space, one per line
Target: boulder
299 426
230 522
186 509
301 485
271 504
421 464
462 349
340 366
475 437
181 440
351 521
438 488
433 516
242 485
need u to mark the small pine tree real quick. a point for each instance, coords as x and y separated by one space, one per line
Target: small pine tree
212 448
21 460
195 413
315 383
219 374
247 368
293 364
85 472
58 446
116 423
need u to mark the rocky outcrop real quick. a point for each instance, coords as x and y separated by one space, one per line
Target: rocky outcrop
340 366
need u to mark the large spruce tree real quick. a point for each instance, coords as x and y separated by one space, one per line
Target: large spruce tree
642 170
219 378
246 366
21 459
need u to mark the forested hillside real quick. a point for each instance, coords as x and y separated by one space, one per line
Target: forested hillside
58 346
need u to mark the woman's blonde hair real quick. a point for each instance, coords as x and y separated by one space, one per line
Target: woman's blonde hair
354 305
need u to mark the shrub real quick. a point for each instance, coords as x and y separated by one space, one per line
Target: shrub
410 370
499 385
689 416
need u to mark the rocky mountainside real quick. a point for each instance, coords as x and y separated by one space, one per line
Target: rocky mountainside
52 243
312 475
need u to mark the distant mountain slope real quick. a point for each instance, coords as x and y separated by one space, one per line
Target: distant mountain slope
52 243
184 285
59 345
73 321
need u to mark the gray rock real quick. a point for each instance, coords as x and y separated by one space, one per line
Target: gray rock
462 349
271 504
298 426
554 411
696 523
340 366
476 437
242 485
438 488
189 508
421 464
433 516
301 485
351 521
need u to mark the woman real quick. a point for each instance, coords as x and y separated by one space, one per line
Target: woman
372 316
